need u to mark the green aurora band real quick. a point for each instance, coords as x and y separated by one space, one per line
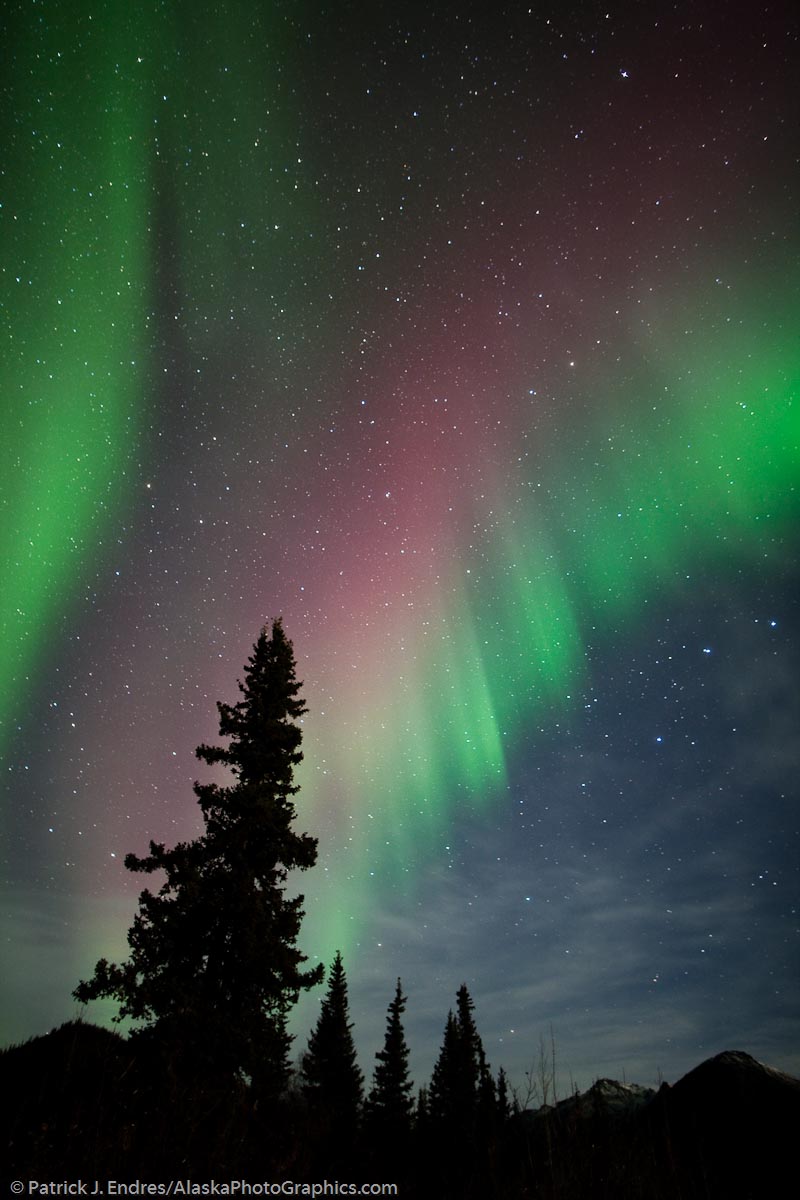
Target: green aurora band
114 163
75 217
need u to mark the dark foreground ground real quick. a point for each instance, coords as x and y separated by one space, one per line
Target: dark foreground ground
81 1107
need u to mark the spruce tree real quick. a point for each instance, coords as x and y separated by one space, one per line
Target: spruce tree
461 1084
503 1102
462 1104
331 1078
470 1050
443 1094
422 1112
487 1093
390 1104
214 967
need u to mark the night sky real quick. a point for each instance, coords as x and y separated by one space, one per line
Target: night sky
466 338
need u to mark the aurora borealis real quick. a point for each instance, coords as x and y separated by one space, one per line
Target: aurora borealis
466 341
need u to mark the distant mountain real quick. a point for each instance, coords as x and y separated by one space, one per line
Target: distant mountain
736 1071
725 1131
606 1096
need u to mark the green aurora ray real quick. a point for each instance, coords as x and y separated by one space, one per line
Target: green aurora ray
100 184
76 285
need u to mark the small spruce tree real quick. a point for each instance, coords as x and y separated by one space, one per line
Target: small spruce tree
422 1113
461 1102
331 1078
443 1093
461 1084
487 1093
470 1050
390 1103
503 1102
214 967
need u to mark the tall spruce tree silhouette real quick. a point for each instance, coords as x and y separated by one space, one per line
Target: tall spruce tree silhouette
444 1100
390 1105
214 967
461 1071
331 1078
503 1102
470 1050
461 1100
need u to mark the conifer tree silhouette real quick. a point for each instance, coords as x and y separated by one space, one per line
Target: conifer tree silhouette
486 1099
422 1112
462 1087
443 1093
390 1104
462 1100
214 967
331 1078
470 1054
503 1102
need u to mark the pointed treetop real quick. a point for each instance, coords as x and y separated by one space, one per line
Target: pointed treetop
265 740
332 1079
390 1098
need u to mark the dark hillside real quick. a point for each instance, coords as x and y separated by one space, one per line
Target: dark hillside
68 1095
728 1128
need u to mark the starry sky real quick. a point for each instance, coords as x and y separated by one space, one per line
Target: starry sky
465 338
